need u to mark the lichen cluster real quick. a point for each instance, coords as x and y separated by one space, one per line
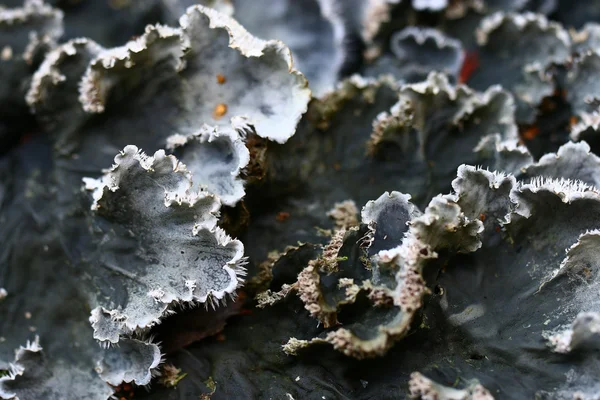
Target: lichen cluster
299 199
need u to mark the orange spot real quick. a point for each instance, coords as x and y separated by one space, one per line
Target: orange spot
497 229
573 120
221 79
482 217
126 387
337 166
220 337
282 216
470 64
220 110
531 133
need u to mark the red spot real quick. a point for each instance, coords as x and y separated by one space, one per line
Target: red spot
282 216
470 64
241 295
497 229
482 217
246 312
220 337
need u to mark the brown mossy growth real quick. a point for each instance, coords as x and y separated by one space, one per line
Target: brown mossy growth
311 296
263 277
379 296
256 169
328 262
269 298
344 214
309 279
384 126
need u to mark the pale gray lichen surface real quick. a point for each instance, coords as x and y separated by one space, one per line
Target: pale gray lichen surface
299 199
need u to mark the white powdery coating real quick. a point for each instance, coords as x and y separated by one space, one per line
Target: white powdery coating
216 158
192 260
